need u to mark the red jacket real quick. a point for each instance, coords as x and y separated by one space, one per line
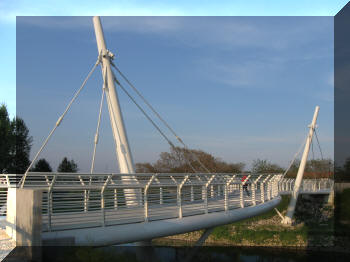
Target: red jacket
244 178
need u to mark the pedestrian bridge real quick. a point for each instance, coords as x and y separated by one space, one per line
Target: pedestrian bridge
103 209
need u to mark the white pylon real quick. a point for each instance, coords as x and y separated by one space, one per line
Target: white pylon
122 145
126 165
293 201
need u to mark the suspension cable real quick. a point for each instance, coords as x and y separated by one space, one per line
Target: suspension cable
160 118
318 143
149 118
295 157
21 182
319 147
312 149
312 164
98 124
144 112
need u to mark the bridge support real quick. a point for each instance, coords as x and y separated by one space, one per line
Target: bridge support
24 216
24 220
330 198
125 161
199 243
298 180
204 236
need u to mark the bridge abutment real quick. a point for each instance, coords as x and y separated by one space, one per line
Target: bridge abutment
24 216
24 220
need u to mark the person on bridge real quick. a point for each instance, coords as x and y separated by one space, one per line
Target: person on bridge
245 184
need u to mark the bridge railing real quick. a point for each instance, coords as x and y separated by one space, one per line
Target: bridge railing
75 200
308 185
6 181
72 200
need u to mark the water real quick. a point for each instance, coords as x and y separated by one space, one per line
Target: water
174 254
177 254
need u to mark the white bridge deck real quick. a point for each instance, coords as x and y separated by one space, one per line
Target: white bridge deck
101 209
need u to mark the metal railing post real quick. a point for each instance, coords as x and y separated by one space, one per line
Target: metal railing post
226 197
49 203
267 188
146 204
179 190
161 196
253 194
115 198
103 209
241 197
254 186
227 185
86 201
179 200
103 214
145 197
192 194
203 193
241 190
206 199
206 192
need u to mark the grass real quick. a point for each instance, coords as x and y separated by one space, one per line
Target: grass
342 213
282 206
261 236
343 204
270 233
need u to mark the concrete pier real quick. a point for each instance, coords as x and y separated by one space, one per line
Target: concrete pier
24 221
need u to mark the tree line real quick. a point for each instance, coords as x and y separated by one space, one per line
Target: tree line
15 146
181 160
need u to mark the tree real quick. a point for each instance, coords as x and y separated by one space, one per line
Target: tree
145 168
181 160
15 144
67 166
263 166
342 173
315 168
21 147
6 140
42 166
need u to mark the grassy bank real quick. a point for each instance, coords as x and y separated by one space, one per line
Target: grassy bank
314 228
342 218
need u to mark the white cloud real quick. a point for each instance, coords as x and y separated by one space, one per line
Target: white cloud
224 32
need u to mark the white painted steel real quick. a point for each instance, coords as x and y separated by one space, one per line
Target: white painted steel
147 230
294 197
166 197
308 186
122 145
123 152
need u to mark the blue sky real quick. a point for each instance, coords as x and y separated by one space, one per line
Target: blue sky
238 87
263 74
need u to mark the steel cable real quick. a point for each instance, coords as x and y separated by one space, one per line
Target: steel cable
149 119
160 118
58 122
